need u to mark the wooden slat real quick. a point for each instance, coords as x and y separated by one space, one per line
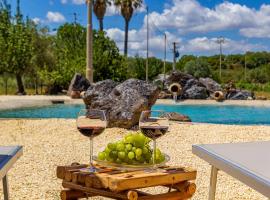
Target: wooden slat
61 170
97 192
167 196
149 180
72 194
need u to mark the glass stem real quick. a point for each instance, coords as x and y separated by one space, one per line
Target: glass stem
154 153
91 151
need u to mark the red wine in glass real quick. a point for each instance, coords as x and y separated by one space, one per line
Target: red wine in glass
91 123
154 124
91 131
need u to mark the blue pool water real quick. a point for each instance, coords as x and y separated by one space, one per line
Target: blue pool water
198 113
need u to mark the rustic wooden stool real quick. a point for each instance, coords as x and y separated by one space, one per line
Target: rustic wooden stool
116 184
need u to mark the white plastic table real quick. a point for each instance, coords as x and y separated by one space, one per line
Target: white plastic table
247 162
8 156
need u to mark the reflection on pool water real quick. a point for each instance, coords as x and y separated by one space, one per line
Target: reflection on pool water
218 114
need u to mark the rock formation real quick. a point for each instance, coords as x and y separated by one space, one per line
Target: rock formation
123 102
77 85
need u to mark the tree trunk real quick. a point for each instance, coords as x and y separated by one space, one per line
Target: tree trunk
36 85
20 84
100 24
126 37
6 85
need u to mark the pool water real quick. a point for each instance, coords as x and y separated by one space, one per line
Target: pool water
216 114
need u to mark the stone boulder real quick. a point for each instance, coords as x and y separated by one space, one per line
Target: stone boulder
98 91
196 92
177 77
78 83
173 116
240 95
123 102
211 85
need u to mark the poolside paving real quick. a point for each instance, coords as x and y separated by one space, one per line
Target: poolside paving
51 142
12 102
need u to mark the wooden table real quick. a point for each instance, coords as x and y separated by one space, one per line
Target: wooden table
78 183
8 156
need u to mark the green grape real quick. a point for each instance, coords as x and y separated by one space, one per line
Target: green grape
141 159
114 154
102 156
129 139
138 157
128 147
158 154
131 155
162 158
118 161
111 146
138 152
120 147
145 150
133 149
108 158
121 155
107 150
148 156
158 151
139 140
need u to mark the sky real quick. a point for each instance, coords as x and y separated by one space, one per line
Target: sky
194 24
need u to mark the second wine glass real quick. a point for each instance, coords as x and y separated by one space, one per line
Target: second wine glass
154 124
91 123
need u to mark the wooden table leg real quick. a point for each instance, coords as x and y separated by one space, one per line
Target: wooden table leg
5 188
213 183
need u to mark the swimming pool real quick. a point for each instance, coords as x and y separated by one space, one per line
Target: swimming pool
217 114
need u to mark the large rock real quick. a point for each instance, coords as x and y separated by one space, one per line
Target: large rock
173 116
196 92
78 83
211 85
240 95
177 77
98 91
123 102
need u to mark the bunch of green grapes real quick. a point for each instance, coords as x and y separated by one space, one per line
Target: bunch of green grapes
132 149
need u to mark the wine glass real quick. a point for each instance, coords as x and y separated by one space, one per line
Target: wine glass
91 123
154 124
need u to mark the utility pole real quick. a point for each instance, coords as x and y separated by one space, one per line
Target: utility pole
165 55
89 43
245 66
147 46
220 41
75 17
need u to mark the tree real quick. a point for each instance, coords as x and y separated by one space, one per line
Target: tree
43 56
19 48
69 51
184 59
100 7
127 9
5 24
198 68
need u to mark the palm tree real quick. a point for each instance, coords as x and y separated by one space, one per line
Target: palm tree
100 7
127 8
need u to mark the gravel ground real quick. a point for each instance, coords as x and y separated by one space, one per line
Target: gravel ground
48 143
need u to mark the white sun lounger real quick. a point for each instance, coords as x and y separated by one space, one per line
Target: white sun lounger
8 156
247 162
